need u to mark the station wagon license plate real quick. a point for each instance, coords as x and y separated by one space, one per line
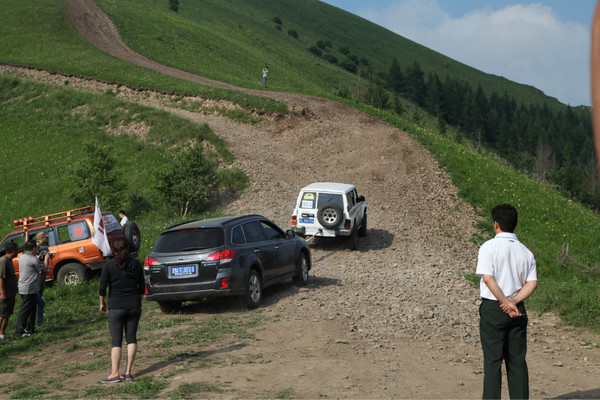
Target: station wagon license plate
307 220
181 271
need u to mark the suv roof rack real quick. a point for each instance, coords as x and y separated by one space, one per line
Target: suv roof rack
45 220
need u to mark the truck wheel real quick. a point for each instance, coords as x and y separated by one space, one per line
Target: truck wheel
254 290
132 234
168 307
71 274
302 269
362 232
330 215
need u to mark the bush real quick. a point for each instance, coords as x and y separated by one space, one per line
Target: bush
277 20
189 182
174 5
331 58
94 175
293 33
315 50
348 65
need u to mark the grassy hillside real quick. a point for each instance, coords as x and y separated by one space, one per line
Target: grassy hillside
41 36
228 40
232 40
42 128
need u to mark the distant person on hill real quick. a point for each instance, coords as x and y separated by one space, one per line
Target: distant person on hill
265 72
8 285
508 276
123 216
124 277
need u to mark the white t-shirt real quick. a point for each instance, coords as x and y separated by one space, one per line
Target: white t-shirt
508 261
124 220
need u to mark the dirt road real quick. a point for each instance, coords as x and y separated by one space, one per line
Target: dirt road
395 319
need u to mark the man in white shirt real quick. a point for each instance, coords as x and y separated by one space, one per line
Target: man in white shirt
508 276
124 219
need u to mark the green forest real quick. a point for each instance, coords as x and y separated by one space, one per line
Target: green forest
554 145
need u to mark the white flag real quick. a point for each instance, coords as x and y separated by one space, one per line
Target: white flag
99 237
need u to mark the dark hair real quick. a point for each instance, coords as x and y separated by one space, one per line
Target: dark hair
30 245
121 249
506 216
11 247
122 212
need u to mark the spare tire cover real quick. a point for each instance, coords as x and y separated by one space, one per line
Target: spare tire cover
330 215
132 234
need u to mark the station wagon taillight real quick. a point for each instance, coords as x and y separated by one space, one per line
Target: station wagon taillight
150 262
347 224
294 220
223 256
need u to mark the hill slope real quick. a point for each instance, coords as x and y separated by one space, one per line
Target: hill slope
399 306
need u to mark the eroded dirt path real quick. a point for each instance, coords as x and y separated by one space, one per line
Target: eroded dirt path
395 319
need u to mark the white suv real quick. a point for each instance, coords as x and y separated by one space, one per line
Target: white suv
327 209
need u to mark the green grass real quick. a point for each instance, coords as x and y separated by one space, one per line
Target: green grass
141 388
51 122
233 40
192 390
40 37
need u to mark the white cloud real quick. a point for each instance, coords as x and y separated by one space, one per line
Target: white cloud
525 43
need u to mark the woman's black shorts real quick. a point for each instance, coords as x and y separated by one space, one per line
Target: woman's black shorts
124 319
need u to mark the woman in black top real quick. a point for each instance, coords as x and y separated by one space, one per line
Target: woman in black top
125 277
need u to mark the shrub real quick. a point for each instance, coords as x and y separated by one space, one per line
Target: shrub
277 20
174 5
315 50
331 58
189 182
293 33
94 175
345 50
348 65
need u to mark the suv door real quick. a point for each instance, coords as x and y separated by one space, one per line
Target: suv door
265 250
354 208
284 249
19 239
74 242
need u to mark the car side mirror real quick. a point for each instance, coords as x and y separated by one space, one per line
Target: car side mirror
290 234
361 198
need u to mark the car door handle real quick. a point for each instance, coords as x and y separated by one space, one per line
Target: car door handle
277 247
257 251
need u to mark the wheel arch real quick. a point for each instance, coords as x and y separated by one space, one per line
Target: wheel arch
62 263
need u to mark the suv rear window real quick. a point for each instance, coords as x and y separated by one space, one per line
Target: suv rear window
325 198
189 239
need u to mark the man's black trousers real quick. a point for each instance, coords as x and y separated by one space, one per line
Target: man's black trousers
503 339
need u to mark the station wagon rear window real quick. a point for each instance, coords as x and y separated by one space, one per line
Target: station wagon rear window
189 240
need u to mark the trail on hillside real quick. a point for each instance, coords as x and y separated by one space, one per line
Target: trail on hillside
395 319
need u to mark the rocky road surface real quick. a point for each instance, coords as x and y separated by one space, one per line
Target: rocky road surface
394 319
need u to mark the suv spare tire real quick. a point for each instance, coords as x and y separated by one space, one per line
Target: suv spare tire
330 215
132 234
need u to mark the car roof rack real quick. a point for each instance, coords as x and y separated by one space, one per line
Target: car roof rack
45 220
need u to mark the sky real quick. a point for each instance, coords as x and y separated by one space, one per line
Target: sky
544 43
